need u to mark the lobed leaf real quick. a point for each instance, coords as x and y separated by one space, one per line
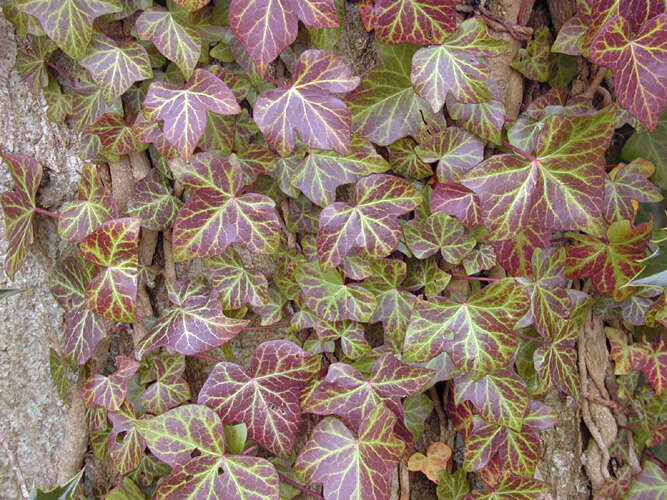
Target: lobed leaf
456 152
439 232
153 202
109 392
235 283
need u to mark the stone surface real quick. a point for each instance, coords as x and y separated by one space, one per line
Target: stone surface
31 415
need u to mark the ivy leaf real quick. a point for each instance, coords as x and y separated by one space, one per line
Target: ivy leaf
217 214
453 486
478 335
57 369
425 274
351 333
64 492
235 283
109 392
633 309
116 135
183 110
126 446
19 207
550 301
329 297
649 145
89 105
417 409
556 362
170 388
628 183
307 106
321 171
533 61
348 394
480 259
60 105
649 483
438 455
349 466
83 328
95 206
439 232
266 401
611 262
515 487
69 23
153 202
456 152
266 27
370 225
420 22
516 254
484 119
501 397
384 106
514 189
194 323
116 67
455 66
404 160
526 129
173 35
31 62
635 62
114 246
212 474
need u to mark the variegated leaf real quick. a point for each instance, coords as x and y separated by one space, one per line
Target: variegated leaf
439 232
153 202
420 22
456 152
236 284
109 392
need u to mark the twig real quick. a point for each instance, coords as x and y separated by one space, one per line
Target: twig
300 487
206 357
23 488
595 83
404 481
442 419
600 401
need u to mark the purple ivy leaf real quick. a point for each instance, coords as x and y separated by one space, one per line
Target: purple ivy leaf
456 152
458 201
235 283
109 392
153 202
439 232
420 22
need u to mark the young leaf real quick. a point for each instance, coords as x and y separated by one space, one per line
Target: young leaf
453 486
533 61
57 369
439 232
484 119
173 35
116 135
405 161
69 23
194 323
417 409
236 284
153 202
126 446
525 130
109 392
183 110
456 66
628 183
266 401
19 207
116 67
349 466
634 61
217 214
456 152
436 459
550 301
170 389
425 274
516 254
64 492
31 62
308 107
421 22
96 205
556 362
370 225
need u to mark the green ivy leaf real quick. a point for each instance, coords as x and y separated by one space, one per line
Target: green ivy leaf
533 61
453 486
64 492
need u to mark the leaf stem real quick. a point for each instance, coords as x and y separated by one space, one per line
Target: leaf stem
250 449
533 339
206 357
559 240
458 295
520 152
267 327
300 487
48 213
476 278
60 71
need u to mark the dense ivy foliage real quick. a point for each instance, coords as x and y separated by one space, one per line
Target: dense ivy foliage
420 242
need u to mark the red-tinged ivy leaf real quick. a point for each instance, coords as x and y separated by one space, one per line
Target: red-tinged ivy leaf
420 22
352 466
625 184
611 262
514 487
96 205
458 201
478 335
69 23
370 225
117 136
83 328
657 313
89 105
170 388
19 207
236 284
183 110
524 131
308 107
633 309
395 305
348 394
153 202
303 216
272 310
217 215
404 160
453 486
456 66
174 435
484 119
651 359
549 298
649 484
116 67
533 61
109 392
548 188
456 152
322 171
266 27
567 40
329 297
192 4
637 62
439 232
194 322
385 107
501 397
480 259
256 160
426 275
556 362
266 401
516 254
126 446
173 35
31 62
114 246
